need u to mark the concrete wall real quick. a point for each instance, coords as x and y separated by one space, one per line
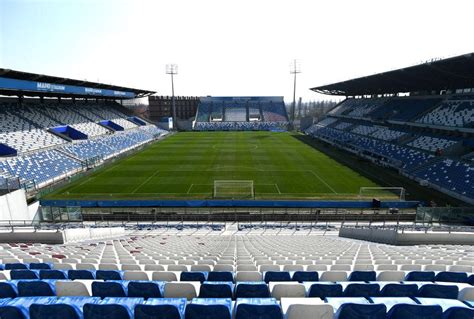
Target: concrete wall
13 206
393 237
81 234
60 237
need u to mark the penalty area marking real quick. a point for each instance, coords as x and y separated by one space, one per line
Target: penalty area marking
278 188
323 181
146 181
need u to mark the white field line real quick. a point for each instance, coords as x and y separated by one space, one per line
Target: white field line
146 181
323 181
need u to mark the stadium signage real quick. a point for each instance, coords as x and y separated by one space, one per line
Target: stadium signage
33 86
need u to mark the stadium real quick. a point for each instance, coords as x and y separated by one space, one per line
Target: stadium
119 202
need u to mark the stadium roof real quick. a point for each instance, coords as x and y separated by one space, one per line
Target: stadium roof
447 74
25 76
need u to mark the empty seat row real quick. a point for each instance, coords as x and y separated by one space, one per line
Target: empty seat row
300 276
213 289
252 308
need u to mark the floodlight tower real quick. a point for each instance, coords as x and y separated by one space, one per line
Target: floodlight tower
172 69
295 69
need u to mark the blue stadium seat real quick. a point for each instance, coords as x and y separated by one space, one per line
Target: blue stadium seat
145 289
438 291
216 289
36 288
203 308
302 276
450 276
109 275
39 266
450 307
420 276
470 280
220 276
108 289
81 274
399 290
23 274
362 276
252 290
8 290
193 276
108 308
458 313
362 290
404 311
163 308
11 266
322 290
52 274
18 308
361 311
62 308
257 308
276 276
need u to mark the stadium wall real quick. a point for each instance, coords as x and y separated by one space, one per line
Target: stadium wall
60 237
228 203
13 207
405 238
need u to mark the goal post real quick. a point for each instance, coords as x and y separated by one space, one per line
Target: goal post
234 189
394 193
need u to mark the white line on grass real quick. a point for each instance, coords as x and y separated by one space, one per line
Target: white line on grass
189 189
278 188
146 181
324 182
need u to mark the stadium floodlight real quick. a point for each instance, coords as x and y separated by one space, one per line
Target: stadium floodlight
295 69
172 69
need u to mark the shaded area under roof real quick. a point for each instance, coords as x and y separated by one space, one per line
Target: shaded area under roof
19 75
447 74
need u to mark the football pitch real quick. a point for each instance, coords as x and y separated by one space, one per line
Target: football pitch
185 166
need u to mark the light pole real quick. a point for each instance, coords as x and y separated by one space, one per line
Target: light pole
295 69
172 69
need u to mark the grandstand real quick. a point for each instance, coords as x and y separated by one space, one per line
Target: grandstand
214 272
427 137
304 244
241 114
46 140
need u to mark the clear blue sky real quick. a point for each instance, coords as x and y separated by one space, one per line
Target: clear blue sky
228 47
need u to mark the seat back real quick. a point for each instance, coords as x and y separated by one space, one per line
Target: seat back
144 289
108 289
399 290
362 290
438 291
252 290
361 311
404 311
325 290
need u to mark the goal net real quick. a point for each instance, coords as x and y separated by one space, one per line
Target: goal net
393 193
233 189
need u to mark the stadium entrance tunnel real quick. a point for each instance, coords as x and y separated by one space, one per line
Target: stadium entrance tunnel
111 125
68 132
6 150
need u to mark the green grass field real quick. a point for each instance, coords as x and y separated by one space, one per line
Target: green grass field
186 165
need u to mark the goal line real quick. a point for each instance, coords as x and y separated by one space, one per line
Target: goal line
397 193
234 189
